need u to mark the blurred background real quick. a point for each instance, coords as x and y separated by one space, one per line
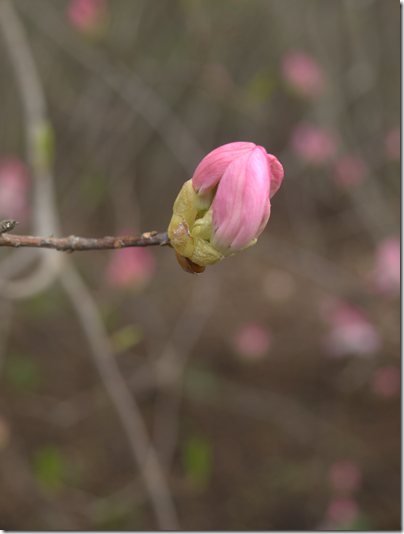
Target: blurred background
268 388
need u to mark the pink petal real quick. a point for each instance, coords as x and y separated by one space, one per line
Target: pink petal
213 166
276 174
241 201
265 218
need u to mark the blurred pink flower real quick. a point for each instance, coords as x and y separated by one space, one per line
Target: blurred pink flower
131 267
385 277
14 190
303 73
392 143
351 332
349 171
252 341
343 511
386 381
345 476
88 16
313 144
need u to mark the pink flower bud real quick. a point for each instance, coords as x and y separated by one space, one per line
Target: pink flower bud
225 206
248 177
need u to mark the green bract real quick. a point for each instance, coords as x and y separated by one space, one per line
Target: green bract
191 227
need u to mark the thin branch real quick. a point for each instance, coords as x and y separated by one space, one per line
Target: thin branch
128 411
73 243
171 364
38 133
138 95
46 218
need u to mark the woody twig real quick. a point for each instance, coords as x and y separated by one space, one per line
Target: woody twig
73 243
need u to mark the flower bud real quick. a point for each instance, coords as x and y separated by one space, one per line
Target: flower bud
226 205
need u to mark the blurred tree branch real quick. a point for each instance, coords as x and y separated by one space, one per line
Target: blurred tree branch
39 135
126 83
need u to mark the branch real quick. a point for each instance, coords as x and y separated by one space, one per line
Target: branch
125 404
125 82
39 133
72 242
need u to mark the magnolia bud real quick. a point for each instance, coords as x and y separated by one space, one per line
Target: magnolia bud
225 206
